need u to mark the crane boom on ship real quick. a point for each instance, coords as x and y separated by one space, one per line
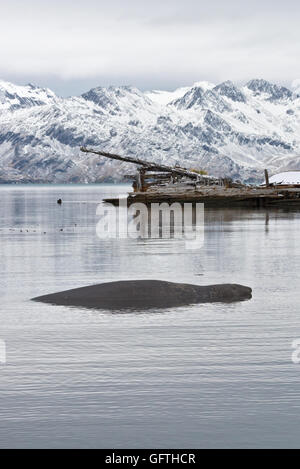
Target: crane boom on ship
149 166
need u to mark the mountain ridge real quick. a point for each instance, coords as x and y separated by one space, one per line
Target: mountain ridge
228 130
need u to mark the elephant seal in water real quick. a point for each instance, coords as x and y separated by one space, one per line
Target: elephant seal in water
144 294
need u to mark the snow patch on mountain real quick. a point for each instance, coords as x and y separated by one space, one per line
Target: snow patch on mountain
13 97
165 97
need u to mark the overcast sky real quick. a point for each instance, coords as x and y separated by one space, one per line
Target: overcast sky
72 45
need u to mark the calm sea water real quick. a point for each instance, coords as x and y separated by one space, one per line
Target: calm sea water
199 376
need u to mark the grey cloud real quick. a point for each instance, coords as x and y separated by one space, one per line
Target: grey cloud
71 45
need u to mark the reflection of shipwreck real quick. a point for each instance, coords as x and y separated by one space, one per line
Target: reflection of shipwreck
157 183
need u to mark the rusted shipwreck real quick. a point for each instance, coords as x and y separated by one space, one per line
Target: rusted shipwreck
157 183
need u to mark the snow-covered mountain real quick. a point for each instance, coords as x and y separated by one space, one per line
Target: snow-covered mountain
224 129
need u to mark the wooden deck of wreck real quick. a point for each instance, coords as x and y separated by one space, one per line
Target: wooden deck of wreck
158 183
217 196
